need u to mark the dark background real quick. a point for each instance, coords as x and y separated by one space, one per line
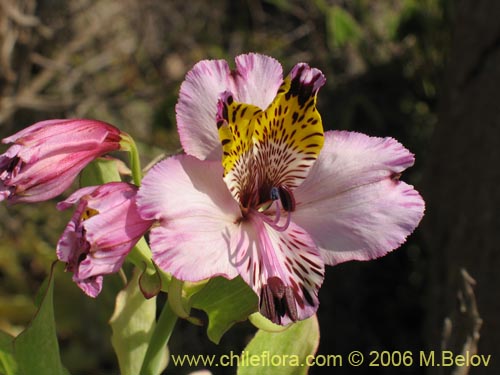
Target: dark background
425 72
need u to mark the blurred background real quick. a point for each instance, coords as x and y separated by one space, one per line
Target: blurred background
425 72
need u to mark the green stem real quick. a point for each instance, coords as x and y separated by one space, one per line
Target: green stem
128 144
163 330
135 163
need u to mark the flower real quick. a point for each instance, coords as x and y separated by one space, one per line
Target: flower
46 157
102 231
286 199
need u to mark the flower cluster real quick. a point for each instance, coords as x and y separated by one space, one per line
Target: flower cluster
262 191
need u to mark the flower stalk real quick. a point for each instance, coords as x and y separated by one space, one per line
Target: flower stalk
129 145
153 359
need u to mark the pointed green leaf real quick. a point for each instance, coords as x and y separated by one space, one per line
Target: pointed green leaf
36 349
8 365
101 171
226 302
132 323
281 352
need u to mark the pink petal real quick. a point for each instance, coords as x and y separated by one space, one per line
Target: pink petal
352 203
91 287
75 197
68 244
255 81
261 254
196 108
197 215
104 261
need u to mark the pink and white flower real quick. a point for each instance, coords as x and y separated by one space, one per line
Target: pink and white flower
46 157
103 230
286 199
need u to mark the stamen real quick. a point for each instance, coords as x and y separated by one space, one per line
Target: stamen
285 196
274 223
277 300
264 206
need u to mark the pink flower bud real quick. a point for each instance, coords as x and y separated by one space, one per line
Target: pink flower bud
46 157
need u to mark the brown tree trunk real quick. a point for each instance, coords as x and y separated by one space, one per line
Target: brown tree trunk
462 224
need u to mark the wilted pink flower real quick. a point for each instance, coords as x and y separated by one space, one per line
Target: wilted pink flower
47 156
102 231
286 199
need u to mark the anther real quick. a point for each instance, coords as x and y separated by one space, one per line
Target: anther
277 300
284 194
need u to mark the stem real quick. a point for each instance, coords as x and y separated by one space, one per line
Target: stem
135 163
128 144
154 356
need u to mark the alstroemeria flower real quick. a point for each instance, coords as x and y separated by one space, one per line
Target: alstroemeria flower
47 156
286 199
103 230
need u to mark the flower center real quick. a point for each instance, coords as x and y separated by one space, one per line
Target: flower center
278 194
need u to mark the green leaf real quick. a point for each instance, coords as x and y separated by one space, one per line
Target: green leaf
36 349
342 28
226 302
101 171
281 352
8 365
132 323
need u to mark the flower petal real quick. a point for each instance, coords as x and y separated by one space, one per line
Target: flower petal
196 214
197 106
255 81
91 287
284 269
352 202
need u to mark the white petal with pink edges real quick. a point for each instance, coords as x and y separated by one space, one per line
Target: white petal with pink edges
197 217
352 202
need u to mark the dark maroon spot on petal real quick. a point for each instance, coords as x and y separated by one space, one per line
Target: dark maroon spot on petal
225 115
319 134
307 296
